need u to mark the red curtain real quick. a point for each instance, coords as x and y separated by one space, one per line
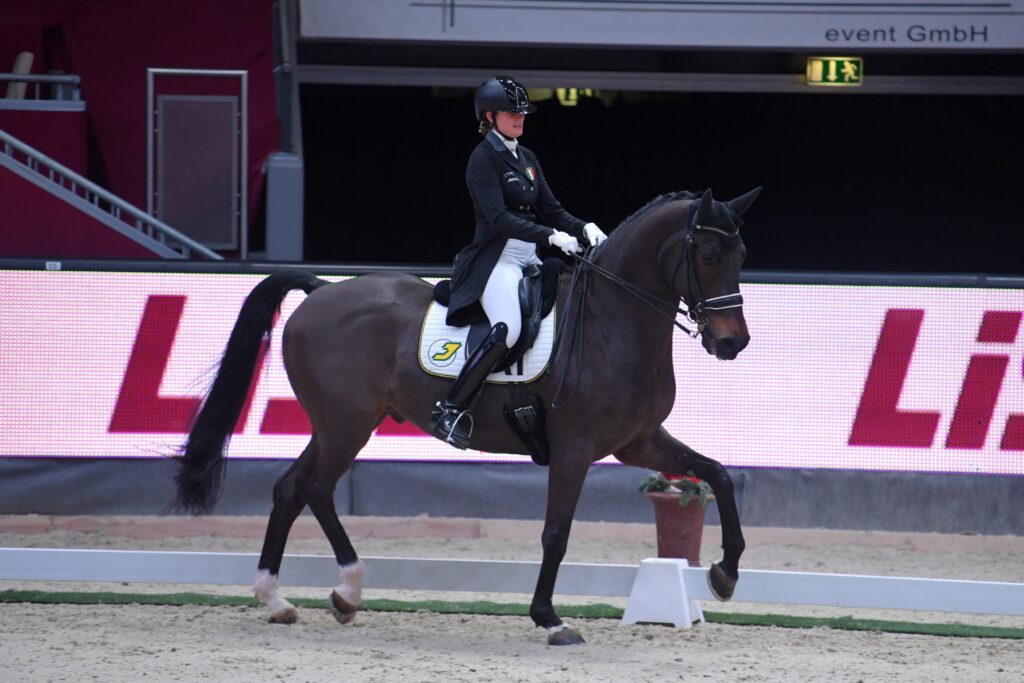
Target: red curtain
111 43
57 134
57 230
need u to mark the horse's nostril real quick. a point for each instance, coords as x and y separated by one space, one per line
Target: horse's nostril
729 347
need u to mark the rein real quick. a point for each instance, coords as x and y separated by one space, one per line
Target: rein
651 300
697 313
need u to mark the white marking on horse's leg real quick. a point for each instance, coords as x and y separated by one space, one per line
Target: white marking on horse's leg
552 630
564 634
351 587
346 597
265 588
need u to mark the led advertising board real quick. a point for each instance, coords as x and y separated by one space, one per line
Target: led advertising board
926 379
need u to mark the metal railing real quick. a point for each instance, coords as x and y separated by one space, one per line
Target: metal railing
65 85
128 216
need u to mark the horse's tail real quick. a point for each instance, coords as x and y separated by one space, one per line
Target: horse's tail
201 460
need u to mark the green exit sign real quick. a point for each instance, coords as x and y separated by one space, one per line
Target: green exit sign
842 71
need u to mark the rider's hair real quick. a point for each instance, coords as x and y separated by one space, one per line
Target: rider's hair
485 125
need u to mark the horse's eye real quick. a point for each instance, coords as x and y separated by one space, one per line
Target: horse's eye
706 260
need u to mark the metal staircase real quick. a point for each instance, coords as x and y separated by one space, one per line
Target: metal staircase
105 207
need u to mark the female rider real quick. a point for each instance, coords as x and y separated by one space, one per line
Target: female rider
515 211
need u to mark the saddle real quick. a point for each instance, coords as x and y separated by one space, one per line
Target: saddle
537 293
524 412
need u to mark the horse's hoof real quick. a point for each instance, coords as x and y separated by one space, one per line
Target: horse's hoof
342 610
721 584
564 635
286 616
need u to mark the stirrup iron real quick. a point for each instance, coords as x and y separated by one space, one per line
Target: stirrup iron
455 424
446 421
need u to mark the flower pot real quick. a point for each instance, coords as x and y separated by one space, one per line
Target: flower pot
679 528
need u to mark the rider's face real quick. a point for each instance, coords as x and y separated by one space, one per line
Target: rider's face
509 124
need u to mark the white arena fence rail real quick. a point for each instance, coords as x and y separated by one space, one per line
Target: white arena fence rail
674 584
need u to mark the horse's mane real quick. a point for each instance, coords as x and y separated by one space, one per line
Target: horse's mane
659 200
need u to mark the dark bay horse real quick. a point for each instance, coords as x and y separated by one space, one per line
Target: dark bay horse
350 353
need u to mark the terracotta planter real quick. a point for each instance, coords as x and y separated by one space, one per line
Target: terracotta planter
679 528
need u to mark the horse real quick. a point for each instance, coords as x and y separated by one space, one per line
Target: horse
350 351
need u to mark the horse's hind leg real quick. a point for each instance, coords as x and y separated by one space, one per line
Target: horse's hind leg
317 485
664 453
311 481
288 504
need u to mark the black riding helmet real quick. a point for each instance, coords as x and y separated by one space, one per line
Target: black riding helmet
501 93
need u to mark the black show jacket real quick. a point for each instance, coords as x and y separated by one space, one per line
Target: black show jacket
511 198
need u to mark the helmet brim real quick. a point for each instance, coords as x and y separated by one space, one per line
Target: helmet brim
528 109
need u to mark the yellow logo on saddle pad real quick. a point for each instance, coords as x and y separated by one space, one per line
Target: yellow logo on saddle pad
446 352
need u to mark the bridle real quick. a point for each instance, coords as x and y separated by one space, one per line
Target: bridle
697 312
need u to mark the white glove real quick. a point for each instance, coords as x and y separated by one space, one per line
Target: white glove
565 242
594 234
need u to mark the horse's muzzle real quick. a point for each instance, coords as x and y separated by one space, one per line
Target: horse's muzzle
725 334
728 348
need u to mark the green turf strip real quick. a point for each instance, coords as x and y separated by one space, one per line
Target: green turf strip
596 611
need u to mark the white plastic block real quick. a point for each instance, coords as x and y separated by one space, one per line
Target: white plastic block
659 595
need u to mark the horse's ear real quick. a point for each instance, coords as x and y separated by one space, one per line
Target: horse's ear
705 209
743 202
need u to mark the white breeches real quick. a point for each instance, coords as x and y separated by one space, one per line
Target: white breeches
500 299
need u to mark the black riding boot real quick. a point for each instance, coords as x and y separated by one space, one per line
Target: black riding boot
452 419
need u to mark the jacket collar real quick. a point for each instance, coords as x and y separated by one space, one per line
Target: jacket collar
500 139
495 142
518 164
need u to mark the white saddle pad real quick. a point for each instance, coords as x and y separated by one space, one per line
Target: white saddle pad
443 349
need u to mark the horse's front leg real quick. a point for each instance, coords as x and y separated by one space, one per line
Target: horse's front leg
567 472
664 453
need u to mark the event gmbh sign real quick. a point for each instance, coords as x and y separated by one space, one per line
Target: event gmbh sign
877 378
840 24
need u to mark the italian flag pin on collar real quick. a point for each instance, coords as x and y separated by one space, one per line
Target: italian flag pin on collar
530 173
